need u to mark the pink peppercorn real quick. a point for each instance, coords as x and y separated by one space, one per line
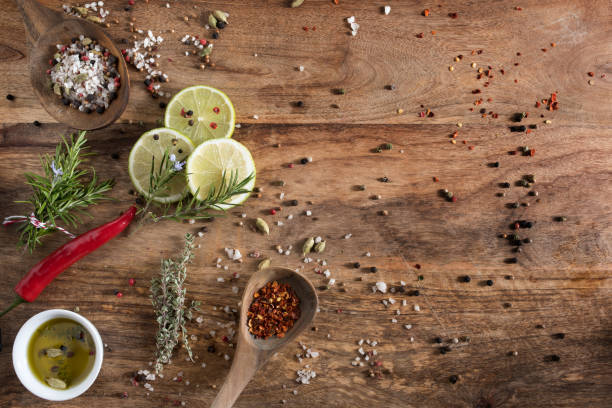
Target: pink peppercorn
119 294
454 199
290 165
131 2
272 211
132 281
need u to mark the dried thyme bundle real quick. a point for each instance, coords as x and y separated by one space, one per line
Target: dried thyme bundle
168 298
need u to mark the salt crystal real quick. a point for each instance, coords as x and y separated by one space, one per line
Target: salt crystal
220 280
407 326
387 10
301 68
348 236
417 308
255 117
381 286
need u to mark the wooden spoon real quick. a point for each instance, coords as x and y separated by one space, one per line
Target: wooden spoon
252 353
45 29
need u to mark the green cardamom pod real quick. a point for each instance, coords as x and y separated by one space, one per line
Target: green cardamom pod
262 226
86 41
57 90
307 247
95 19
320 247
212 21
220 15
263 264
296 3
81 10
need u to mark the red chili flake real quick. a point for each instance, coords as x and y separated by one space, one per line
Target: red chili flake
132 282
48 71
553 97
274 310
290 165
590 74
471 147
489 99
213 125
544 50
452 15
305 28
537 104
502 71
314 28
516 81
532 152
170 60
225 339
272 211
553 44
528 131
420 35
183 112
433 32
435 179
454 135
476 91
418 266
517 225
454 199
425 12
338 310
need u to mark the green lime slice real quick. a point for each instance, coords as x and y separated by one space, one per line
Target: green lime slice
201 113
209 160
149 148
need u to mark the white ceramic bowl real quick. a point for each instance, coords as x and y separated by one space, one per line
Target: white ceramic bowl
20 356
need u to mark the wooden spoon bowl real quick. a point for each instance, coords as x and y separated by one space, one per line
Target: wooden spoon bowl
47 28
252 353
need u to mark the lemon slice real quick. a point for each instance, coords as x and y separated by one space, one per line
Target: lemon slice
209 160
201 113
151 146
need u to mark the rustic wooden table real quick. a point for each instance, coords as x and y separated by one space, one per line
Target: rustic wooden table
561 283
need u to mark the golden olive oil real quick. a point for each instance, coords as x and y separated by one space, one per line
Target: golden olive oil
61 353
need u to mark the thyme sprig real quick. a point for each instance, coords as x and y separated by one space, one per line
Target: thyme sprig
171 311
61 193
190 207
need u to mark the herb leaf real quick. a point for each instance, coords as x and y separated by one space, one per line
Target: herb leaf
171 312
61 192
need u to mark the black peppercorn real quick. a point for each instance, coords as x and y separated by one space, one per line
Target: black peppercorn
189 112
401 289
373 269
36 123
100 109
147 82
466 279
356 265
415 293
559 336
10 97
293 202
504 185
445 349
215 35
220 25
489 282
115 156
304 160
155 137
438 340
384 179
554 357
211 349
453 379
162 105
511 260
299 104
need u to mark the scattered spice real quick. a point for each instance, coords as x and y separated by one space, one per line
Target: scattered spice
274 310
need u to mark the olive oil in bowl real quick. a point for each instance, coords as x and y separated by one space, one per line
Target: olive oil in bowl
61 353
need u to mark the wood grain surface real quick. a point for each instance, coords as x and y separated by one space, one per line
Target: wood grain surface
560 284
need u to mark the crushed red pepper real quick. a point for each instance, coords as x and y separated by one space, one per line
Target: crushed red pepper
274 310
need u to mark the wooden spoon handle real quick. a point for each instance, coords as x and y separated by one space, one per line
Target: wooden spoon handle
246 363
38 19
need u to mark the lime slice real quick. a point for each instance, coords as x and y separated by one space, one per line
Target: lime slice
151 146
209 160
201 113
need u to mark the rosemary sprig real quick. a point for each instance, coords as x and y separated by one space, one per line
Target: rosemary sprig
190 207
61 192
171 312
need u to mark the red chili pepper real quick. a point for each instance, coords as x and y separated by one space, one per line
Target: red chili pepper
46 270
